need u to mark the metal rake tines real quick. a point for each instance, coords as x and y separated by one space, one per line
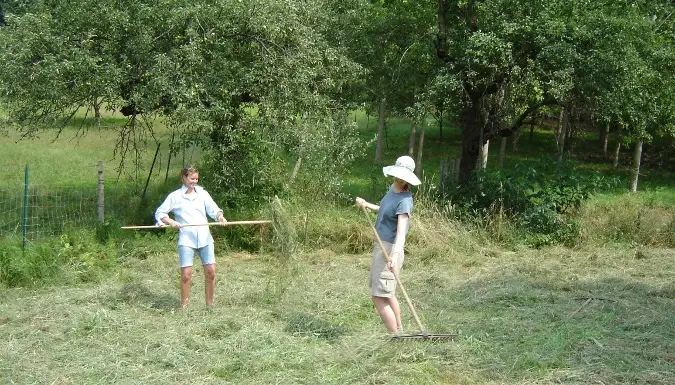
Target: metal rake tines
423 336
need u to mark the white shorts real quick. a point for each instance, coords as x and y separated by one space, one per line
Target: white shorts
186 255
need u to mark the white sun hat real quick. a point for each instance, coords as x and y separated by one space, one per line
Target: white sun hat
403 169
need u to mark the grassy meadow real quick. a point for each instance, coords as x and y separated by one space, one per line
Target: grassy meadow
601 312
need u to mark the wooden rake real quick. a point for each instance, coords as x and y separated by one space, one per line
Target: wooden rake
423 334
233 223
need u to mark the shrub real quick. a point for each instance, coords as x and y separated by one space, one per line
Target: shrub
542 197
37 263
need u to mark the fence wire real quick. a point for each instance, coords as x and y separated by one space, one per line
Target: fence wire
49 210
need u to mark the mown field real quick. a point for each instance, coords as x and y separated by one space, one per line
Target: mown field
600 312
598 315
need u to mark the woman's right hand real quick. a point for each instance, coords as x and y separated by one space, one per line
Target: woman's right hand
360 202
175 224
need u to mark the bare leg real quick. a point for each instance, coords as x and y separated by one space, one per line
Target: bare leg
393 303
185 278
209 283
384 309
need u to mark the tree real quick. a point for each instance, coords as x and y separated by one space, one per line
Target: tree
391 39
538 53
244 80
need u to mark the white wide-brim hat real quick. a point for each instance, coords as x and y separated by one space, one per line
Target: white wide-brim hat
404 169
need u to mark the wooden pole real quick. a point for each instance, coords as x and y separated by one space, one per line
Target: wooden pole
232 223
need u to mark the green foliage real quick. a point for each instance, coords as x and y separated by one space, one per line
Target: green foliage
71 257
109 229
544 226
542 197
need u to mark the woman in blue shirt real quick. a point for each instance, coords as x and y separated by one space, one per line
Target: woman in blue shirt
393 222
190 205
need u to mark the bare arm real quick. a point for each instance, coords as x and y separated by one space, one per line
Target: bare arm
360 202
399 241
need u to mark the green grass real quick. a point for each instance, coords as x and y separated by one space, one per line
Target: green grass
522 317
657 183
72 157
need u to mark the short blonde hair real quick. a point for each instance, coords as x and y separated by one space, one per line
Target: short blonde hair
187 170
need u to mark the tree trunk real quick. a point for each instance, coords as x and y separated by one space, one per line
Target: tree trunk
440 126
470 140
516 136
97 111
484 154
637 156
571 128
502 152
411 142
558 128
295 170
564 121
420 146
605 141
380 132
617 150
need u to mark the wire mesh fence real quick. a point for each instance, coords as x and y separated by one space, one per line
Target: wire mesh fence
41 211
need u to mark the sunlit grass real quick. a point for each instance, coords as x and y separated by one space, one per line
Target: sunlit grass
72 156
527 316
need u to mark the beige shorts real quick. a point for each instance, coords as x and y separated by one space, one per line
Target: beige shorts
381 281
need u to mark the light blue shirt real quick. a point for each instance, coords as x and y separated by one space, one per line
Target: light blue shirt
190 209
392 205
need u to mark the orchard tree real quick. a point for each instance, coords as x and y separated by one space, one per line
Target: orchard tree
247 81
391 40
510 58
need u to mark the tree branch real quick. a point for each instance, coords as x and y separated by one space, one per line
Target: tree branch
521 119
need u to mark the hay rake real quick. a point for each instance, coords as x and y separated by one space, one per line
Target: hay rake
423 334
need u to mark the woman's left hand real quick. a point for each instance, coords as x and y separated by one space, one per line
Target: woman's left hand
221 218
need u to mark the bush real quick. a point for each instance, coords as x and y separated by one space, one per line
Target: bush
36 264
542 197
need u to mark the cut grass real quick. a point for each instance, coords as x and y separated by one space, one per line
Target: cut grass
522 317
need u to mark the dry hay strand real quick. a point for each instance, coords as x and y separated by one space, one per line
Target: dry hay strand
283 236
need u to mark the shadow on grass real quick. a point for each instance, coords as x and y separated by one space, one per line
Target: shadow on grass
137 294
307 325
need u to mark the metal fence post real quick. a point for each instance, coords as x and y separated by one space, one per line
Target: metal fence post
25 208
99 193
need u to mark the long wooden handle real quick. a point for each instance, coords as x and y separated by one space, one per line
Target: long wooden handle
233 223
398 280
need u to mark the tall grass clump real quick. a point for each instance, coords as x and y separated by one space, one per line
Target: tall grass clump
36 264
628 219
283 234
72 257
436 232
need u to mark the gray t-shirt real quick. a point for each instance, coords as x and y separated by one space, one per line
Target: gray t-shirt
391 206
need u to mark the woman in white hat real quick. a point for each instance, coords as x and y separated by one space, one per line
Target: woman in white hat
393 220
